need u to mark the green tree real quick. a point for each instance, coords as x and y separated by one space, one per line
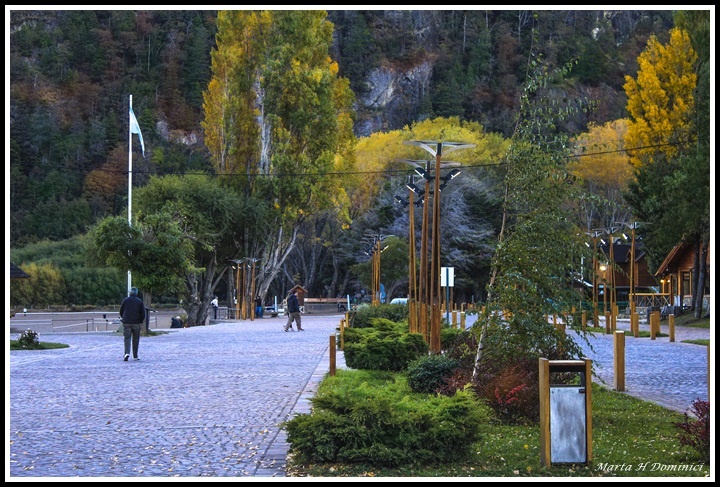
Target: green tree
211 219
279 120
153 249
539 250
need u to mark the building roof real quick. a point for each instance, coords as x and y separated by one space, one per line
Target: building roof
16 272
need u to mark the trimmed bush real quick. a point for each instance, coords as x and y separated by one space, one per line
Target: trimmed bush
374 418
383 346
429 374
364 315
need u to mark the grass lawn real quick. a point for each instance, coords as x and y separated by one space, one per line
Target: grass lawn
15 345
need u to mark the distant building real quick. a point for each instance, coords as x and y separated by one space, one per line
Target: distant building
643 281
676 273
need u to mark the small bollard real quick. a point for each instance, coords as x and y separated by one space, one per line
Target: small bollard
653 329
342 334
671 328
462 320
635 324
619 360
333 346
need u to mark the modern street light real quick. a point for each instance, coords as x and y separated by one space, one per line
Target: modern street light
603 269
595 234
631 296
613 295
436 149
237 285
412 270
252 287
375 241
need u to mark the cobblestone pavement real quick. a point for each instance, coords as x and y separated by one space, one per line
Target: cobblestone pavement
201 402
671 374
209 401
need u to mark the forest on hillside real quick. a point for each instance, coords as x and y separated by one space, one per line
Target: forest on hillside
370 78
71 72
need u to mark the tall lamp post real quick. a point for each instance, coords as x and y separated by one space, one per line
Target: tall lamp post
252 287
237 285
374 251
631 296
595 234
436 149
412 265
422 168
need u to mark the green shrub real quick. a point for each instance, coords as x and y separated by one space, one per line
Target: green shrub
383 346
362 318
374 418
428 374
29 340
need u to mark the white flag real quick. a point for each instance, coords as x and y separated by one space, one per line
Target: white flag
135 129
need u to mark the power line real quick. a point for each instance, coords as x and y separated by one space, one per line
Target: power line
347 173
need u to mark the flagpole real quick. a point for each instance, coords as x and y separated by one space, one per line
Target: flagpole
129 277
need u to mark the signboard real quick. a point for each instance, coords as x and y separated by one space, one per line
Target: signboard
447 277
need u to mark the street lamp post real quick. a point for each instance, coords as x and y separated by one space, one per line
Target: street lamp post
603 268
436 149
237 285
631 295
252 288
412 262
595 234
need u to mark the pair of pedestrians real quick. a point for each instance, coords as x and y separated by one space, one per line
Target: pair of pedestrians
293 311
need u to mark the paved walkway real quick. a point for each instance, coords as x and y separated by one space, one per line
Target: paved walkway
671 374
208 401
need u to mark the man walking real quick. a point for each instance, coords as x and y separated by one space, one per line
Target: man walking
132 312
293 310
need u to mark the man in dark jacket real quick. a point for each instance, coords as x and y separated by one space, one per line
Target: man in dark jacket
293 311
132 312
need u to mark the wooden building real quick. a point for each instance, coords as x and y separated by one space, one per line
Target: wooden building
676 274
622 254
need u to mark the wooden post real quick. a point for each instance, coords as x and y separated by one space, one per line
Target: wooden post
544 383
619 360
588 407
653 329
454 319
584 320
635 324
333 346
671 328
462 320
608 323
342 334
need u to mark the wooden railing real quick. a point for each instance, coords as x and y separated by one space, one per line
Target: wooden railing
647 300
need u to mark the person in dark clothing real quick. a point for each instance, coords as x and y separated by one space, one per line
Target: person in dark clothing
258 307
132 312
293 310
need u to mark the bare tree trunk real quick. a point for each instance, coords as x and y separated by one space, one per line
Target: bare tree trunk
695 274
702 273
